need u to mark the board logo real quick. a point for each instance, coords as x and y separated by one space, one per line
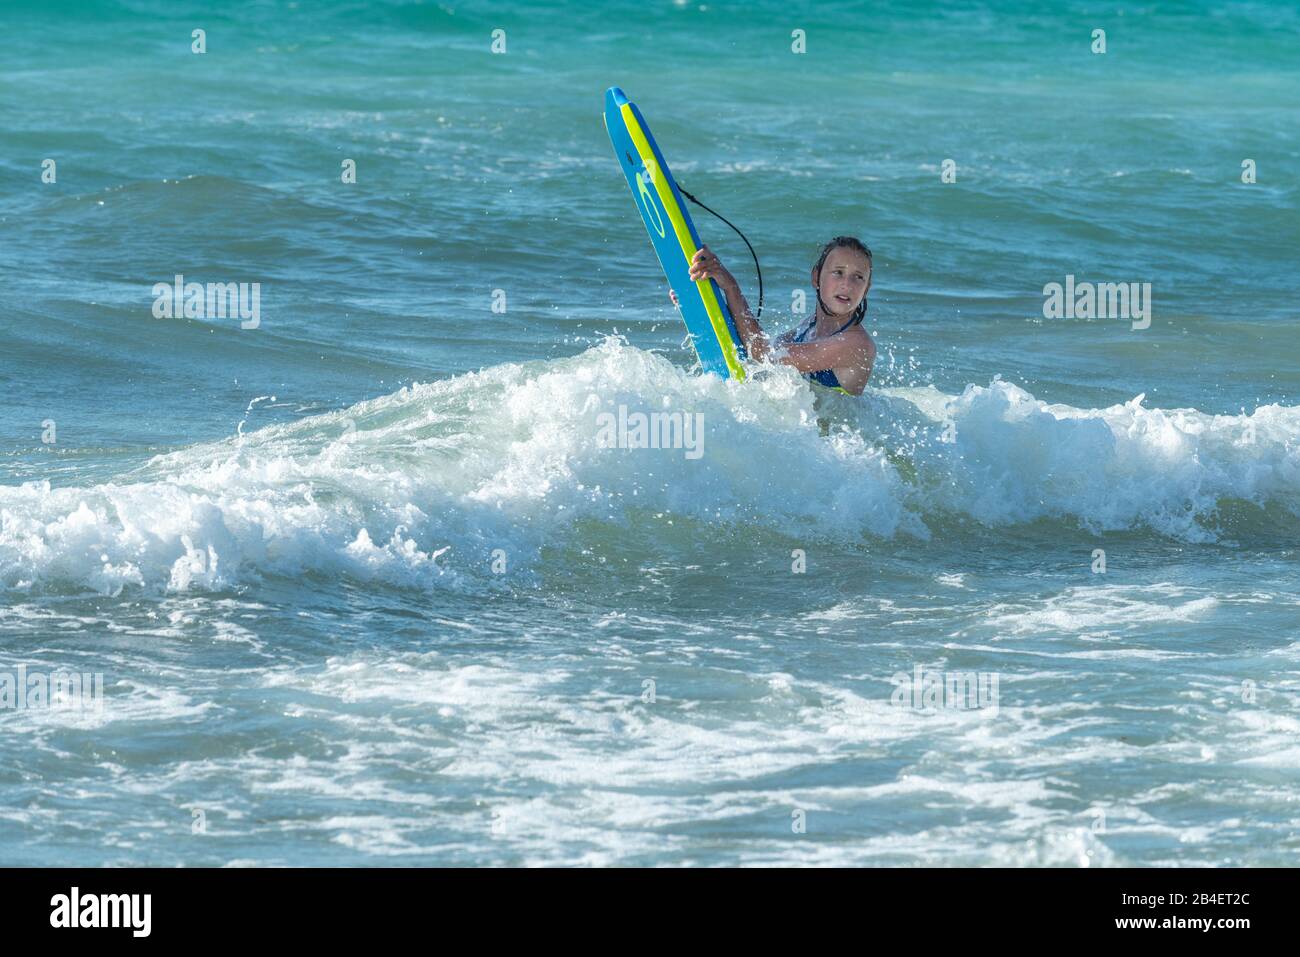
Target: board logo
651 208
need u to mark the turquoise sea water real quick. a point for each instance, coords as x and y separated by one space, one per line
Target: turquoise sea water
365 589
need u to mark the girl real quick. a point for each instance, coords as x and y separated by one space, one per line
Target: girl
831 348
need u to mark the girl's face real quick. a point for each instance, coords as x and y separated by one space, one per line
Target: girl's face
844 280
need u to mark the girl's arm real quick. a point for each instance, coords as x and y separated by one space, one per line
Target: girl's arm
751 333
852 350
706 265
851 354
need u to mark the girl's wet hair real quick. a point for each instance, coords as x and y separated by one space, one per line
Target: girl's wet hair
843 242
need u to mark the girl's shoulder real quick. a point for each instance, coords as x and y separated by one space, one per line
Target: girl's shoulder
861 335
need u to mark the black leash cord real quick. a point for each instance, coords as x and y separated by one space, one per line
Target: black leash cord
757 268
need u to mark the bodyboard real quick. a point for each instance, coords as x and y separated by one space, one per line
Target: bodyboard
673 235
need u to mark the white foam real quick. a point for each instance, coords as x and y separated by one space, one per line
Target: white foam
1013 458
1099 610
421 487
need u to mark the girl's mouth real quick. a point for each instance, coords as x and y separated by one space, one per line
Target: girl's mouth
843 299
